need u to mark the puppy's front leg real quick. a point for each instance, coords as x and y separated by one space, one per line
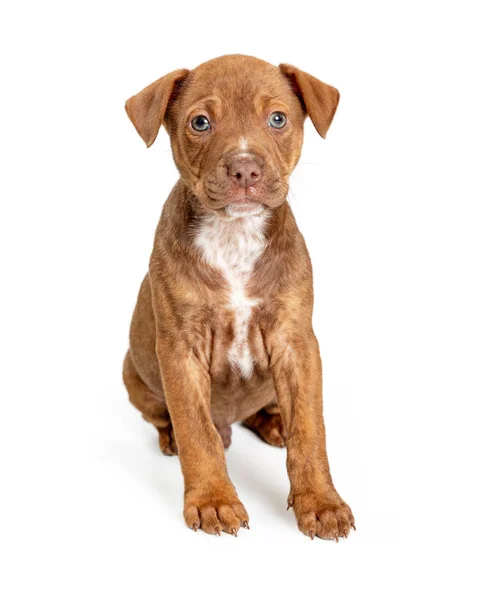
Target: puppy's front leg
211 502
297 373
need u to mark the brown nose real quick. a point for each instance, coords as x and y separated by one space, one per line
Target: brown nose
244 171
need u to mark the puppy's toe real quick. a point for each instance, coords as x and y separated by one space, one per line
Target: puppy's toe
228 519
209 520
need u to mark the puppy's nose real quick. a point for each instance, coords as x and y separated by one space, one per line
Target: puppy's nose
244 171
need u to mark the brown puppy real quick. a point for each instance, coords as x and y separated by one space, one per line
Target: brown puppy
222 331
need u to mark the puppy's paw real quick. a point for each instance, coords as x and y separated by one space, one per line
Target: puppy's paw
269 427
324 515
167 440
215 509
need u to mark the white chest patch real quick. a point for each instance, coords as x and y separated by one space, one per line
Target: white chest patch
232 246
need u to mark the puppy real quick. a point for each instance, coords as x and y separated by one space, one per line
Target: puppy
222 330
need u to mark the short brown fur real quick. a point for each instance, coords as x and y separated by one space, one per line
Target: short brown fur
176 369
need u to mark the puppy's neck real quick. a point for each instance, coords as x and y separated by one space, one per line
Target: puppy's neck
236 242
184 214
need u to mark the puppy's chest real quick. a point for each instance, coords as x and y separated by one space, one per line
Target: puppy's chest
232 248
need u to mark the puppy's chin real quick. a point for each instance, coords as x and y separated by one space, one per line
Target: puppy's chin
238 210
233 209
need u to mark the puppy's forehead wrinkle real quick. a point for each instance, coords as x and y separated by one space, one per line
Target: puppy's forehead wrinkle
236 80
210 103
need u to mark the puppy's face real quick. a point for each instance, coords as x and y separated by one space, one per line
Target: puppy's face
236 133
236 128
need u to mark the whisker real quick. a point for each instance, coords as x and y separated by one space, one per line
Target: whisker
303 184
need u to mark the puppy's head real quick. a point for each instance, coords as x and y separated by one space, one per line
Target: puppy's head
236 127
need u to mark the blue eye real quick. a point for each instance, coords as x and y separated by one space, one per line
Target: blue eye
277 120
200 123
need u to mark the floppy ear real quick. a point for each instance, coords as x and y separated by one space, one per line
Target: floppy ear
147 109
319 99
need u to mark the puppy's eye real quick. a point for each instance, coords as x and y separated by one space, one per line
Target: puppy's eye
277 120
200 123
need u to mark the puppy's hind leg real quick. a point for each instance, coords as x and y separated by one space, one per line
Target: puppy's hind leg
268 425
152 406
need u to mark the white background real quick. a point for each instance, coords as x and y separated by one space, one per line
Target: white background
388 206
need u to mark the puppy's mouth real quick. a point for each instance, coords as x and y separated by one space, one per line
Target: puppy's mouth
228 200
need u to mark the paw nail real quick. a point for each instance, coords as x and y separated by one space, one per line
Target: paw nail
195 526
218 532
311 534
246 524
233 531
